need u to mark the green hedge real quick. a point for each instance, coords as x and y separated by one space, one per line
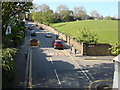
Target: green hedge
115 49
13 40
8 65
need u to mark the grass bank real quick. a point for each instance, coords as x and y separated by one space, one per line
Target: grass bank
106 30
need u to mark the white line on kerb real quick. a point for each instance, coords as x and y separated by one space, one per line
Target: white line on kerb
30 70
81 69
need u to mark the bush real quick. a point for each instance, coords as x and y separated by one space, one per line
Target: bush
18 40
22 28
115 49
14 39
7 41
8 65
87 37
22 34
108 18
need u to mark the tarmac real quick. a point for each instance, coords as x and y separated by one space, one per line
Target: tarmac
18 80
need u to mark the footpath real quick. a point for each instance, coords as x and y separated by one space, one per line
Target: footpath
20 60
78 56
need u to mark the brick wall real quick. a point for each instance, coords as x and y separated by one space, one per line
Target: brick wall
97 49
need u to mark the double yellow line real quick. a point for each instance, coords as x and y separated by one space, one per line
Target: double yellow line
30 71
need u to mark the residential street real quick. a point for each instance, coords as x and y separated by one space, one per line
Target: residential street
54 68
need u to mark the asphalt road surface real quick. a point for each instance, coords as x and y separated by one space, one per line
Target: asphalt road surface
52 68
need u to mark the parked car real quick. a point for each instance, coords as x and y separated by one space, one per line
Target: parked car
36 25
48 35
33 33
41 28
57 44
34 42
30 28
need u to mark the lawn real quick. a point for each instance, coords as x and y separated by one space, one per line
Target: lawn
106 30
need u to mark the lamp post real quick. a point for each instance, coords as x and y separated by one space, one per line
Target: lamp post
116 79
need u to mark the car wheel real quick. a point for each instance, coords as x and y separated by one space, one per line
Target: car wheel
54 47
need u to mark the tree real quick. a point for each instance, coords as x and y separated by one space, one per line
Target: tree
45 17
95 14
68 18
108 18
63 13
12 13
87 36
34 8
57 17
80 13
43 8
48 17
10 10
62 8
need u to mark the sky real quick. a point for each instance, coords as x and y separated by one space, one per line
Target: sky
103 7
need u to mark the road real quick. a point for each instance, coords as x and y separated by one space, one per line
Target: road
53 68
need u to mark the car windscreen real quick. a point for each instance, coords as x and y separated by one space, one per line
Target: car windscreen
60 43
34 41
48 34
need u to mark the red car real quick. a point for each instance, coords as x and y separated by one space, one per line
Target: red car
57 44
41 28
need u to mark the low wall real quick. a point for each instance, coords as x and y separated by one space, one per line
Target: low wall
84 49
97 49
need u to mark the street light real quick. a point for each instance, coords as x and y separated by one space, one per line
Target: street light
116 79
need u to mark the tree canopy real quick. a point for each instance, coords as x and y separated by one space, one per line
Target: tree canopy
12 10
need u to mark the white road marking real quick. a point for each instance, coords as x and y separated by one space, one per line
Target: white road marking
52 64
57 76
51 60
82 70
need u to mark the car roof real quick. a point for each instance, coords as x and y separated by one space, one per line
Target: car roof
58 41
48 33
33 40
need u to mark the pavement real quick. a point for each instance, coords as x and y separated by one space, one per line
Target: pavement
78 55
18 80
20 60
